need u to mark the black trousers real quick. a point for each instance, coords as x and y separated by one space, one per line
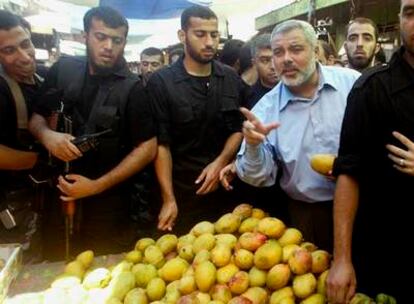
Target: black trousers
315 221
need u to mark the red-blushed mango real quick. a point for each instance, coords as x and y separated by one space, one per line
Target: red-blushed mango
221 292
239 282
257 295
320 261
225 273
300 262
288 251
252 240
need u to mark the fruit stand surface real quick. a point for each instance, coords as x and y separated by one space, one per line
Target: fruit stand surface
34 279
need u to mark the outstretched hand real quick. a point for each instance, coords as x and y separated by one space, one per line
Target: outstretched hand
254 131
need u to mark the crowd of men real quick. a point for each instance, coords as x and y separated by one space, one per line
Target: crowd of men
210 132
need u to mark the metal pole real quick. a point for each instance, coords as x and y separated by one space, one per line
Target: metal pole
312 12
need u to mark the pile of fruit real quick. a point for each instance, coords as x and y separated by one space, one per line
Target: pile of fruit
244 257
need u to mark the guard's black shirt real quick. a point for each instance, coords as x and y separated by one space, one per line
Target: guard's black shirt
8 118
257 91
195 115
382 101
8 124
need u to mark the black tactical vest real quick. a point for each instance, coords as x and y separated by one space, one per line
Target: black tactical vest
108 112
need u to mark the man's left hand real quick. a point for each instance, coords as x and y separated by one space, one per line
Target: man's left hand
74 186
403 159
211 177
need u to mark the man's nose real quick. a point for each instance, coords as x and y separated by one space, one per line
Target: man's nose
108 44
209 40
24 55
287 57
360 41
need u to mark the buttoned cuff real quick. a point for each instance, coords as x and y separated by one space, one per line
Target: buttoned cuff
254 153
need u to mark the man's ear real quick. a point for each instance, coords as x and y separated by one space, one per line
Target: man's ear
345 46
377 48
84 36
317 51
253 60
181 36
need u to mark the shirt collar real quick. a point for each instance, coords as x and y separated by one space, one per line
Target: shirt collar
402 74
325 80
181 74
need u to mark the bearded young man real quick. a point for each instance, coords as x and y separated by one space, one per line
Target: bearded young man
361 44
375 169
196 101
98 93
18 86
301 116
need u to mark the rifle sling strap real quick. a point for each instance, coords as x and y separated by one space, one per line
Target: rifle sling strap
19 101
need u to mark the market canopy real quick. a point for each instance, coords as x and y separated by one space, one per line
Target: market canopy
152 9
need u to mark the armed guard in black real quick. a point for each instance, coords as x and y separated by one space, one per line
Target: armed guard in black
99 95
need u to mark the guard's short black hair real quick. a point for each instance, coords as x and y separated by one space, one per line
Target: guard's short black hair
260 42
8 20
363 20
245 57
197 11
153 51
231 51
111 17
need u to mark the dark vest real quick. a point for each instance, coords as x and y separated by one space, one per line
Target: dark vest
108 111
